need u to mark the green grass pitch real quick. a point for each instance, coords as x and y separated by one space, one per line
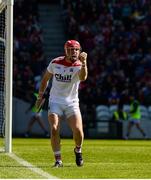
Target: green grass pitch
102 159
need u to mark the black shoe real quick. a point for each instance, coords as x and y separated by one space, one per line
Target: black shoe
79 160
58 164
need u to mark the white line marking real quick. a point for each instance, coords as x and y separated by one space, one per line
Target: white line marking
31 167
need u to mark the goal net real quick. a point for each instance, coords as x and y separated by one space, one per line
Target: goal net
2 68
6 41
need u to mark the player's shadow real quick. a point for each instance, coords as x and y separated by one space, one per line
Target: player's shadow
64 166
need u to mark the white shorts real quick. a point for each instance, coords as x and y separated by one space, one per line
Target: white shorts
36 114
62 109
134 121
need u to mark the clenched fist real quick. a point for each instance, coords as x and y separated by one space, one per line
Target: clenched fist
83 57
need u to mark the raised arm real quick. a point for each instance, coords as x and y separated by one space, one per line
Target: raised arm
83 73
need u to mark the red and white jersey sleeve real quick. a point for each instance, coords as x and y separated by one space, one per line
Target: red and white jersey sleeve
65 82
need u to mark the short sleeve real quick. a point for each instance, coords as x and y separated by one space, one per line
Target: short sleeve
50 68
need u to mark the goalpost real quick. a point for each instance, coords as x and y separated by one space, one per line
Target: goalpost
6 71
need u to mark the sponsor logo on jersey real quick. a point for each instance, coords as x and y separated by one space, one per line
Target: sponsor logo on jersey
63 78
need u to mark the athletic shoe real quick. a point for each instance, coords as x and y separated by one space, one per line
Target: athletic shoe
79 160
58 164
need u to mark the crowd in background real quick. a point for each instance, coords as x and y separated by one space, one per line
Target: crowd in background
29 60
116 34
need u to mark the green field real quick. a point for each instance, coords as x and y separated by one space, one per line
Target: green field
102 159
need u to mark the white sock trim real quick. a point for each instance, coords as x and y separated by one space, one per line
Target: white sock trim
57 152
78 149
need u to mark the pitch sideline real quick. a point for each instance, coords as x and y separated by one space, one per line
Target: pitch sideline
31 167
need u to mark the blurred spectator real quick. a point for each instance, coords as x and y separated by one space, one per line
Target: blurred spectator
116 35
114 97
135 118
29 59
35 117
118 117
121 30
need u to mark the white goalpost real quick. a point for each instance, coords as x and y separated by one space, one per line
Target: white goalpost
6 72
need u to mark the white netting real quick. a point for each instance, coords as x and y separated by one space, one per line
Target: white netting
2 68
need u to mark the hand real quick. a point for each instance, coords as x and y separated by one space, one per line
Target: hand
83 57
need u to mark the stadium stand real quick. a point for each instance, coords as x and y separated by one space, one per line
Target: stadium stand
144 112
103 116
126 108
29 59
113 108
104 112
102 108
149 112
117 37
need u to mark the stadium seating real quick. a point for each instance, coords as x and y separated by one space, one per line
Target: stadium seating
113 108
143 108
103 127
102 108
126 108
149 112
104 113
103 116
144 112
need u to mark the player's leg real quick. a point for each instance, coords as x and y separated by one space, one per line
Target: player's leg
130 125
30 124
140 129
41 123
54 114
75 123
54 122
55 128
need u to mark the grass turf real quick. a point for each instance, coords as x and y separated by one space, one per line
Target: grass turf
102 159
